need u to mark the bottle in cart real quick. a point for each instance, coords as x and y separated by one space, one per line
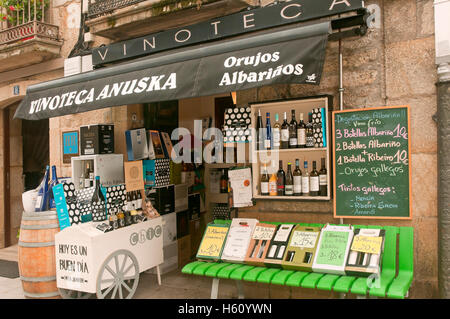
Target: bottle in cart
281 180
121 218
98 201
42 200
297 179
314 181
293 131
305 180
87 175
53 182
289 186
138 201
113 219
323 181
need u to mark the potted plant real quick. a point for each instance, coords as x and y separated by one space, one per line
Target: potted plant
14 6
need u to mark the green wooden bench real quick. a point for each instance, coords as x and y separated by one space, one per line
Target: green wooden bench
393 282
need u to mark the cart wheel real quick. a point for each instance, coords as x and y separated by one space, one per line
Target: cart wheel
120 270
74 294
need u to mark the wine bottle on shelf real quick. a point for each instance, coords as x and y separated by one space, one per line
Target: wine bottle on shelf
314 181
91 174
265 182
289 186
285 133
297 179
259 132
53 182
97 198
276 133
281 180
268 135
309 132
273 185
293 131
305 180
223 182
301 132
323 181
42 200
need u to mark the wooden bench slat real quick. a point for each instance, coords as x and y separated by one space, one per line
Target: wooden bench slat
295 279
311 280
281 277
344 283
201 269
212 271
253 274
239 272
189 268
401 284
225 272
267 275
327 282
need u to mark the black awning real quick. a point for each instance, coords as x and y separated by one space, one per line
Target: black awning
290 56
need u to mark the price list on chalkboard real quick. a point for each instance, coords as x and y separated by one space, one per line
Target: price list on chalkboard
371 163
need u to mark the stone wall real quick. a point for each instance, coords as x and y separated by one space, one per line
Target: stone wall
391 65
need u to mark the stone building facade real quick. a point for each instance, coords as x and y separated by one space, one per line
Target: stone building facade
393 64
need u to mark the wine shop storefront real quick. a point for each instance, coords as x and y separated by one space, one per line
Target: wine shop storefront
368 80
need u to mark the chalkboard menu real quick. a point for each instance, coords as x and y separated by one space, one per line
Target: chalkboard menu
371 163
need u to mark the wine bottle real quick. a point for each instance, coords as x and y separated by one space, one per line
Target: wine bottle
98 199
297 179
223 182
81 181
259 132
268 136
264 182
314 181
289 186
305 180
273 185
293 131
309 132
276 133
139 200
53 182
285 133
87 173
301 132
42 200
91 174
323 181
281 180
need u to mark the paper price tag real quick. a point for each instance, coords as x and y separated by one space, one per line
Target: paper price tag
213 240
367 244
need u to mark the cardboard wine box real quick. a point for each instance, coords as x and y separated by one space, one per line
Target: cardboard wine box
259 244
238 239
163 199
155 145
332 249
301 248
366 252
137 148
213 241
157 172
278 245
97 139
166 144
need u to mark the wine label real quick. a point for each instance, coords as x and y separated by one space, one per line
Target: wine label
314 184
265 187
276 137
285 135
297 184
267 144
293 141
289 190
301 134
322 179
272 188
87 182
305 184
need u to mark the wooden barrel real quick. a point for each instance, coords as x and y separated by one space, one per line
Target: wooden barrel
37 264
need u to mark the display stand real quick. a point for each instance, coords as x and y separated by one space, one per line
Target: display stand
89 261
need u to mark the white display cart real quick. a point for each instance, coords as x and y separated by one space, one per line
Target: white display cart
89 261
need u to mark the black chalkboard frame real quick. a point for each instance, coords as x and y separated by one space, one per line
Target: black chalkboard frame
333 142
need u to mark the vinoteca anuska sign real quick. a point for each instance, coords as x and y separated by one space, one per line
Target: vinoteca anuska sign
371 163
